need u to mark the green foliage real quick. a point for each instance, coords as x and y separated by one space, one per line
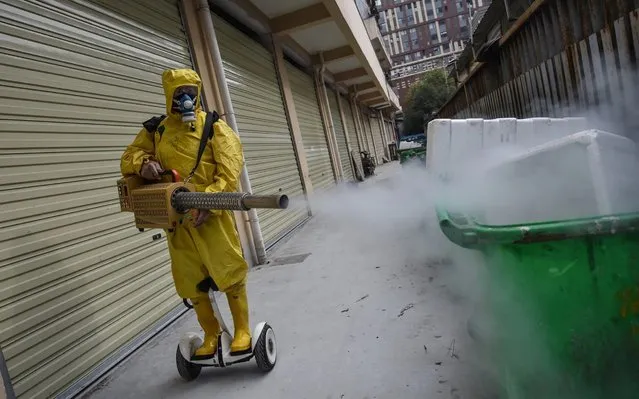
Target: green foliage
426 97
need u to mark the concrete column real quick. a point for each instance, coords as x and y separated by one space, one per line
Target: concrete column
291 115
329 130
383 132
357 113
371 145
203 60
348 140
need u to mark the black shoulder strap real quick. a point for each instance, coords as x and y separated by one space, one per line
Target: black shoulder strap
207 134
152 124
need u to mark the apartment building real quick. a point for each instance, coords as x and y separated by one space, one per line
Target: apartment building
423 35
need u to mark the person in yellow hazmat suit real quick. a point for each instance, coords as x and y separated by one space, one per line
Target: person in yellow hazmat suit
206 253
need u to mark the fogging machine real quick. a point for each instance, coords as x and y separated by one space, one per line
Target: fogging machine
166 204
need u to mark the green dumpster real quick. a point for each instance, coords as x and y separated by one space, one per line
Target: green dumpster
411 154
562 304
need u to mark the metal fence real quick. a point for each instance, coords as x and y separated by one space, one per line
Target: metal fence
559 58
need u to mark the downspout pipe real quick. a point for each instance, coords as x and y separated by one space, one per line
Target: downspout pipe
204 13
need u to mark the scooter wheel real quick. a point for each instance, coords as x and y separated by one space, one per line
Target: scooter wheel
186 369
266 349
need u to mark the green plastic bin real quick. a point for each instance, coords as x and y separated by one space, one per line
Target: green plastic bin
561 304
412 153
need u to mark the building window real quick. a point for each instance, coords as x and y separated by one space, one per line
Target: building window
429 10
383 24
433 32
438 6
407 58
410 17
378 3
405 40
413 38
399 11
443 31
463 26
460 6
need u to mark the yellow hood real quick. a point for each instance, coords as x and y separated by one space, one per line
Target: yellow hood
174 78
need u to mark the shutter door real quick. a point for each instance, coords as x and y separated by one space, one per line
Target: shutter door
340 135
369 136
352 132
389 132
312 128
78 279
263 127
377 136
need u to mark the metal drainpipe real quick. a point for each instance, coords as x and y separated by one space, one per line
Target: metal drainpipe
204 13
329 118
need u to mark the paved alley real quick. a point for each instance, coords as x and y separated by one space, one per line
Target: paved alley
361 309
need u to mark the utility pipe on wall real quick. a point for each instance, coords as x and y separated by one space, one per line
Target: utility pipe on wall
204 13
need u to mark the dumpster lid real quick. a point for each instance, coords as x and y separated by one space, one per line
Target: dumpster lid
467 232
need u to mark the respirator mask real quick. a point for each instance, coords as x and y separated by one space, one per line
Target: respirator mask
184 100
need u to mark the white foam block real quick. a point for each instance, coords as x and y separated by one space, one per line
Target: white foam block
585 174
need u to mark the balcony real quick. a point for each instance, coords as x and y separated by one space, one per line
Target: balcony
378 43
328 32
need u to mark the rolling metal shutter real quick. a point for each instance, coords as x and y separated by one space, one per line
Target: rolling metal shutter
352 132
312 128
369 136
340 135
263 127
78 279
389 132
377 137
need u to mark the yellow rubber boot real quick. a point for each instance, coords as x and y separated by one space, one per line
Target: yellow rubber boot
211 326
238 303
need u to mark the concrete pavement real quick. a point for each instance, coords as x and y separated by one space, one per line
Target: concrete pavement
367 309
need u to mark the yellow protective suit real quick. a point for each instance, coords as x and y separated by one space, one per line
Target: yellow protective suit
213 249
